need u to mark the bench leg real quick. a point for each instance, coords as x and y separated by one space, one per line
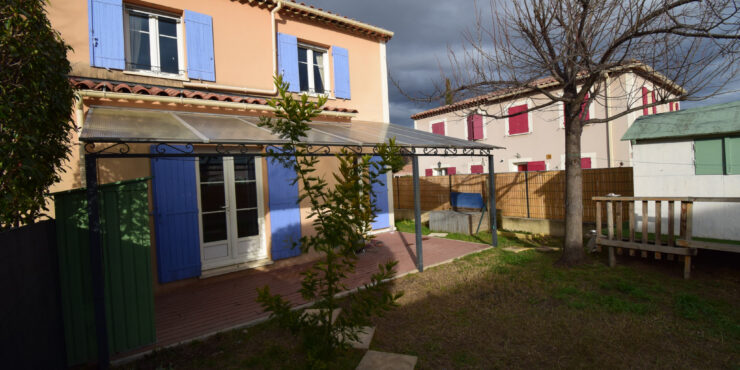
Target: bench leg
612 258
687 267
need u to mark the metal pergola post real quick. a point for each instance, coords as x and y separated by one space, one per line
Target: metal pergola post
96 259
492 202
417 214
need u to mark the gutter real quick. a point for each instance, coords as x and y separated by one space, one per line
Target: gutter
247 90
190 101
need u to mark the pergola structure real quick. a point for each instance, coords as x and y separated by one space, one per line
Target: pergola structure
109 132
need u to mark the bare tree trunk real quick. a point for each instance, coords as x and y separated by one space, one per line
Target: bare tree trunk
573 246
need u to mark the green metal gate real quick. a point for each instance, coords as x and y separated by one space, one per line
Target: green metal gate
129 296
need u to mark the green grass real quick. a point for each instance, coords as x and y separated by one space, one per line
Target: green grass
500 309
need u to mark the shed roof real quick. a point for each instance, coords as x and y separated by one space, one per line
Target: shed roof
131 125
709 120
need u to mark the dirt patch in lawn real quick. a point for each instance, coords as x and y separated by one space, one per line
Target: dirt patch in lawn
515 310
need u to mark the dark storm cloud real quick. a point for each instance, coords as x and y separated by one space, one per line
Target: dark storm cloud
423 31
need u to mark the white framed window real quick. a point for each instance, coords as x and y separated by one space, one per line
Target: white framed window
313 69
154 42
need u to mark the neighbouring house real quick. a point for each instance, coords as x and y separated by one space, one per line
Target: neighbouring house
691 153
535 141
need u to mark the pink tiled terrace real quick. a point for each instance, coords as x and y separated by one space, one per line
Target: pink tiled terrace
211 306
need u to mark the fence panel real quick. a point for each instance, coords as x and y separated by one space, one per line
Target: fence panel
539 194
32 330
129 295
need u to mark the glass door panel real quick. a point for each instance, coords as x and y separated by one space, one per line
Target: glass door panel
245 190
214 210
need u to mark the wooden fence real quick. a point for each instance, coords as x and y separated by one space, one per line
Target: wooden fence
538 194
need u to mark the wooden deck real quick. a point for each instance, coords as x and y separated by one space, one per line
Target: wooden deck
209 307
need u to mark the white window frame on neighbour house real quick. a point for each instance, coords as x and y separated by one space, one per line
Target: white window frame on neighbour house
154 51
310 50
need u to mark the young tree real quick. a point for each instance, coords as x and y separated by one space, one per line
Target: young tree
691 46
35 106
342 215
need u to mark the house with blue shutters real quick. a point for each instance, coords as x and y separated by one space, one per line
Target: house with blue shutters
197 74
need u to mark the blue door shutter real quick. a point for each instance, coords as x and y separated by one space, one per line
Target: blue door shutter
105 23
175 217
285 214
288 60
382 219
199 36
341 72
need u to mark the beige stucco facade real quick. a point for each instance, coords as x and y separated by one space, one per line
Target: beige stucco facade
545 140
244 56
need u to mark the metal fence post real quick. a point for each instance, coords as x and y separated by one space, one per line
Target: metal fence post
417 215
526 189
492 201
96 260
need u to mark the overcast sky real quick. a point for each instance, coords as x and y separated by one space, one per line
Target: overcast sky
423 30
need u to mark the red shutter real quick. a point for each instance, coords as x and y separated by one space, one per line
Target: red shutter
518 124
678 106
585 163
451 170
583 108
536 166
521 167
471 128
670 107
655 107
438 128
644 101
428 172
476 168
478 127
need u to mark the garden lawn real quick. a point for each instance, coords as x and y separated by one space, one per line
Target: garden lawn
499 309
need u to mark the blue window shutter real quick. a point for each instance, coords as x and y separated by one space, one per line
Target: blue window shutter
341 72
199 36
288 60
105 22
382 219
175 217
285 214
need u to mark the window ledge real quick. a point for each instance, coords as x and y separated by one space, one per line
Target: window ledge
523 133
157 75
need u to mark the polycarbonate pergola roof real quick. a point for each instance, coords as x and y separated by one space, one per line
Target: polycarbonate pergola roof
130 125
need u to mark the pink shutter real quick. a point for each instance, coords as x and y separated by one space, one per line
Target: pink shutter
536 166
451 170
471 128
476 168
644 101
521 167
583 108
670 107
655 107
428 172
478 127
585 163
518 124
678 106
438 128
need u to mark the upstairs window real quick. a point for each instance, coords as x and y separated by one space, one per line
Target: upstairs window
518 124
438 128
313 69
153 42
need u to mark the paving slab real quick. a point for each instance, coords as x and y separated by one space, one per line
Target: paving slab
547 249
315 311
516 249
374 360
364 337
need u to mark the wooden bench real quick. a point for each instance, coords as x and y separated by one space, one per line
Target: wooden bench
684 246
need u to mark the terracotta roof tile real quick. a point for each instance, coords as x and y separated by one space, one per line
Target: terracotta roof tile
124 87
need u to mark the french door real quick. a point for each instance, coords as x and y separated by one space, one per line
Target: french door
231 211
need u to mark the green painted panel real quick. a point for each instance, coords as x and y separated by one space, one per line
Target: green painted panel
732 155
128 281
708 156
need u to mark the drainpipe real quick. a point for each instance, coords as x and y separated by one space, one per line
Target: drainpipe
191 101
79 122
247 90
609 134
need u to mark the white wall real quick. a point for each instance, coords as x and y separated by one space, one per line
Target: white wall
667 170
